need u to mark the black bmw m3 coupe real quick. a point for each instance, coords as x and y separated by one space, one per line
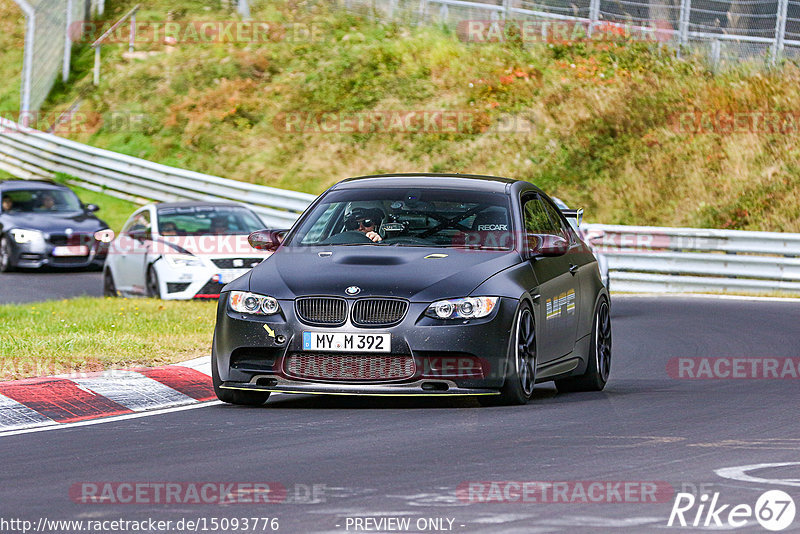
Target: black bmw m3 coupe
417 284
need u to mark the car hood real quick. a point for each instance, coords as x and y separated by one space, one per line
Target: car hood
54 222
416 273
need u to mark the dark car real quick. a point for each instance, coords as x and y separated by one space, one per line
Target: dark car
475 286
44 224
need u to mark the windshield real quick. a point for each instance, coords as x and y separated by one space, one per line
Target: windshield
40 201
409 217
205 220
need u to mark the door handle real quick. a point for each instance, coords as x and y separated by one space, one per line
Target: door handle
573 269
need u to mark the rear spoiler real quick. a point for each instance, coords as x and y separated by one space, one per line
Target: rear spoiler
574 214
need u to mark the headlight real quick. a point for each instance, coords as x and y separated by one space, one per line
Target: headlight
244 302
104 236
466 308
183 260
26 236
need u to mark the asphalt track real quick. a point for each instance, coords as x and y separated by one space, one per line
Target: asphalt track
36 286
382 458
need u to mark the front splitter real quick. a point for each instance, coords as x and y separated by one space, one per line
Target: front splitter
413 389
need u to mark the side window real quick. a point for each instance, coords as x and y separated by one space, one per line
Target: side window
558 221
139 223
321 229
536 218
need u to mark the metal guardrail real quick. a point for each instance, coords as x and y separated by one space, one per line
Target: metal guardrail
28 153
656 259
640 258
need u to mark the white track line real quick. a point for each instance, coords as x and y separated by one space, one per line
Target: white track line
62 426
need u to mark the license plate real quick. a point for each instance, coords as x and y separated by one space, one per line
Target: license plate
227 277
344 342
77 250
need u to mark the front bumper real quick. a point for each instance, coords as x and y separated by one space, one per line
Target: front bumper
40 253
196 282
450 357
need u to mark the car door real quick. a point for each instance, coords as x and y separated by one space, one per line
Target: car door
132 256
574 261
558 291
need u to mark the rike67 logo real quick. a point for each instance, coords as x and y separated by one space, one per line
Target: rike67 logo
774 510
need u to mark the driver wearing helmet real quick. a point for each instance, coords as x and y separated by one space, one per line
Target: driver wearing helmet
365 220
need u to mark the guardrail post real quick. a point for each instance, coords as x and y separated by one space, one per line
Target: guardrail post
506 8
780 30
423 9
594 15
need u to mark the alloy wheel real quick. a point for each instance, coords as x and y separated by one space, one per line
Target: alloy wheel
603 341
526 352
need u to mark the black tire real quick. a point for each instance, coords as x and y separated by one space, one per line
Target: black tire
5 256
521 369
242 398
151 283
109 288
599 364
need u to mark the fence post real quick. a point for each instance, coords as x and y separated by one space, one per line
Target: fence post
244 9
683 22
506 8
423 9
132 36
780 30
27 60
715 53
443 14
67 43
96 78
594 15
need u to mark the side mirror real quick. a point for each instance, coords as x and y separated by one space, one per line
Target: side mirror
546 245
92 208
140 235
266 239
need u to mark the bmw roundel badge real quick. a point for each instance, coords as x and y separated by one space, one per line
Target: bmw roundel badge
353 290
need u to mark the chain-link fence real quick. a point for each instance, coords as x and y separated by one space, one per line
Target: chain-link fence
47 46
726 30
